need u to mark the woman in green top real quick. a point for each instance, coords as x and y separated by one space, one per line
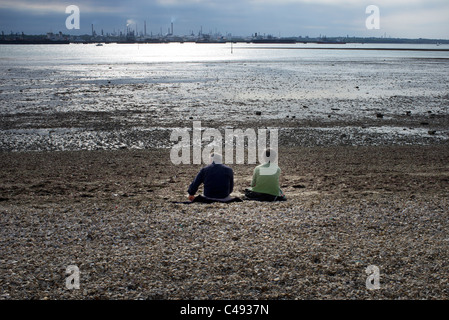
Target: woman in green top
265 183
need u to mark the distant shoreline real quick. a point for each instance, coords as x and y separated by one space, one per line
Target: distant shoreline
2 42
360 49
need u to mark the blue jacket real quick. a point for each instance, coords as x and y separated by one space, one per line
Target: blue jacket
218 181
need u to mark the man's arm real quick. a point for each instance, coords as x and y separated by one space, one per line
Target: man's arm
199 179
231 184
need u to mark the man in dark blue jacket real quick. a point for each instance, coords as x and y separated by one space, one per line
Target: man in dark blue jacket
218 182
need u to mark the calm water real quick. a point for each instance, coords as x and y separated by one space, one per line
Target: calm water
39 55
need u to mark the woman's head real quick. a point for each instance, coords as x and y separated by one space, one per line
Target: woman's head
269 155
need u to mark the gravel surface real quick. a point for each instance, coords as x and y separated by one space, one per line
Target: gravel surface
111 214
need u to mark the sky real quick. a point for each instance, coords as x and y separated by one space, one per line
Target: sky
285 18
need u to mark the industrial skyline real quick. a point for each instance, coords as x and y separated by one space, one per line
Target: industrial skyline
132 33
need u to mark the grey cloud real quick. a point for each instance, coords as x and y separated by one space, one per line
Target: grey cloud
240 17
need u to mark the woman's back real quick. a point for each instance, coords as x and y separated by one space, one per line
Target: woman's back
264 183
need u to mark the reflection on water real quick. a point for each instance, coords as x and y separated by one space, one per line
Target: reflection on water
192 52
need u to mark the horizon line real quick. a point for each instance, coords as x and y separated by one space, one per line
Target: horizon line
226 36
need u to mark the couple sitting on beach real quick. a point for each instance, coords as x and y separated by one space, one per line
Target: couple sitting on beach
218 181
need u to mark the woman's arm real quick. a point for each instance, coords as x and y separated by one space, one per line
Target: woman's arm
255 175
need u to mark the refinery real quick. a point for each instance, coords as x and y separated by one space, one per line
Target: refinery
131 34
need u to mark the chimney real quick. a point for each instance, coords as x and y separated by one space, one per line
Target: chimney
172 28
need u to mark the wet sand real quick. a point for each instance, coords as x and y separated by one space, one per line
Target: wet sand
111 214
315 101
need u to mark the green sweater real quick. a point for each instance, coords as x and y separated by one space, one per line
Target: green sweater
268 184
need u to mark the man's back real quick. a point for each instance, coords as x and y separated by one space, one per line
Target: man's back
218 181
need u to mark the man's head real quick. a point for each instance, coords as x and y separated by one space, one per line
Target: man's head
216 157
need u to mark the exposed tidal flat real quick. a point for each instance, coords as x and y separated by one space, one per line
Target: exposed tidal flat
87 180
65 100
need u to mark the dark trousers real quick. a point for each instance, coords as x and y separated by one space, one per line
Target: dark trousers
251 195
202 199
